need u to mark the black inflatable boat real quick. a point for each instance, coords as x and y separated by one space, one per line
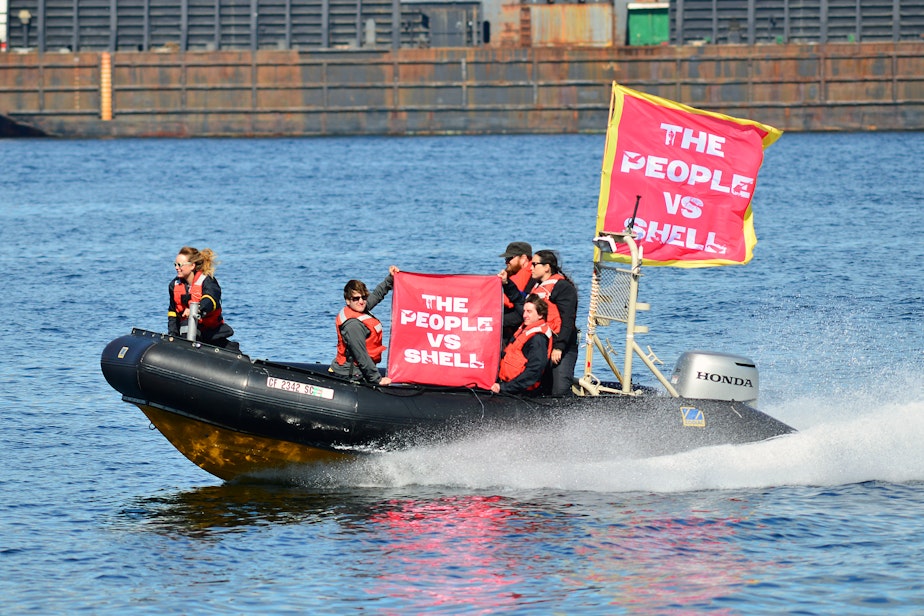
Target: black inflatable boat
233 415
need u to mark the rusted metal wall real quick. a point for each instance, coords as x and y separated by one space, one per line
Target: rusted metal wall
440 91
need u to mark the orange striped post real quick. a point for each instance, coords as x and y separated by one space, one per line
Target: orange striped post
105 86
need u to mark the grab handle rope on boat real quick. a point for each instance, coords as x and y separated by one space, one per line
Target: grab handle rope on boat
614 298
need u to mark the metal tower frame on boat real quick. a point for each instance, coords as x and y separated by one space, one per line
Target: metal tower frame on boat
614 299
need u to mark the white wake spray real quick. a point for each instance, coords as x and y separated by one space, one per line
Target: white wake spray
861 437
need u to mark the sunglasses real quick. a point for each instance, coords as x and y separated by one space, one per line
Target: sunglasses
535 263
181 264
356 298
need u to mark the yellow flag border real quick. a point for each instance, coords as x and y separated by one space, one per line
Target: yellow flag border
617 99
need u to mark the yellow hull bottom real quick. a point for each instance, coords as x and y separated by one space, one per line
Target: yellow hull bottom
228 454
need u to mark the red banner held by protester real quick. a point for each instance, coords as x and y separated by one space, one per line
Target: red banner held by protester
445 330
695 172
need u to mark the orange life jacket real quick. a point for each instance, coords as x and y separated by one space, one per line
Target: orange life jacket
544 290
522 279
373 341
514 361
213 319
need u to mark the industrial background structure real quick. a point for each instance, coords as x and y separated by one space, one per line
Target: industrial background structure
115 68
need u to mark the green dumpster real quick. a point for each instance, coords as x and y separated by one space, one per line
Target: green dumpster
648 23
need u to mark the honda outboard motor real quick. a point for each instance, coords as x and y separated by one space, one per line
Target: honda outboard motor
716 376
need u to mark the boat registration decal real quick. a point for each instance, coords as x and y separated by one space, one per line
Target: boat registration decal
692 417
300 388
122 352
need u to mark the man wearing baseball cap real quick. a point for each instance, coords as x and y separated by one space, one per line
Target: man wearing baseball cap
519 270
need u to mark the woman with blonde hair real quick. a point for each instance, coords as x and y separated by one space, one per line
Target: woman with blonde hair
195 282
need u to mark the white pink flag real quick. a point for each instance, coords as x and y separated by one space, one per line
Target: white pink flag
445 329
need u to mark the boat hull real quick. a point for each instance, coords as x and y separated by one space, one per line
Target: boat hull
234 416
228 453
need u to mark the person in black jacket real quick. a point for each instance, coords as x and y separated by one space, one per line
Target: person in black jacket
526 357
195 282
556 288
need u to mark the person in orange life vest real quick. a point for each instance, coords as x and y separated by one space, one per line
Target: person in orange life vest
195 282
517 269
527 355
359 333
561 295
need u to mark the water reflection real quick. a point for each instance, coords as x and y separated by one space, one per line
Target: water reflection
455 551
689 562
427 549
492 553
230 507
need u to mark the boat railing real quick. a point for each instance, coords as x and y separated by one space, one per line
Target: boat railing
614 299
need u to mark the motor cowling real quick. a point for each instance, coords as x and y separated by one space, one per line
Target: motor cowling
716 376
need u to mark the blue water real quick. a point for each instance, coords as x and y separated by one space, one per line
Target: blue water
100 515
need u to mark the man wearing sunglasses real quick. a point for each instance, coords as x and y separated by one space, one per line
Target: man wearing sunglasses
359 333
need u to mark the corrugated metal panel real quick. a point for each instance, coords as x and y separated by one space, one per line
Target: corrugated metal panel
572 24
164 27
208 25
876 19
312 24
911 20
795 21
